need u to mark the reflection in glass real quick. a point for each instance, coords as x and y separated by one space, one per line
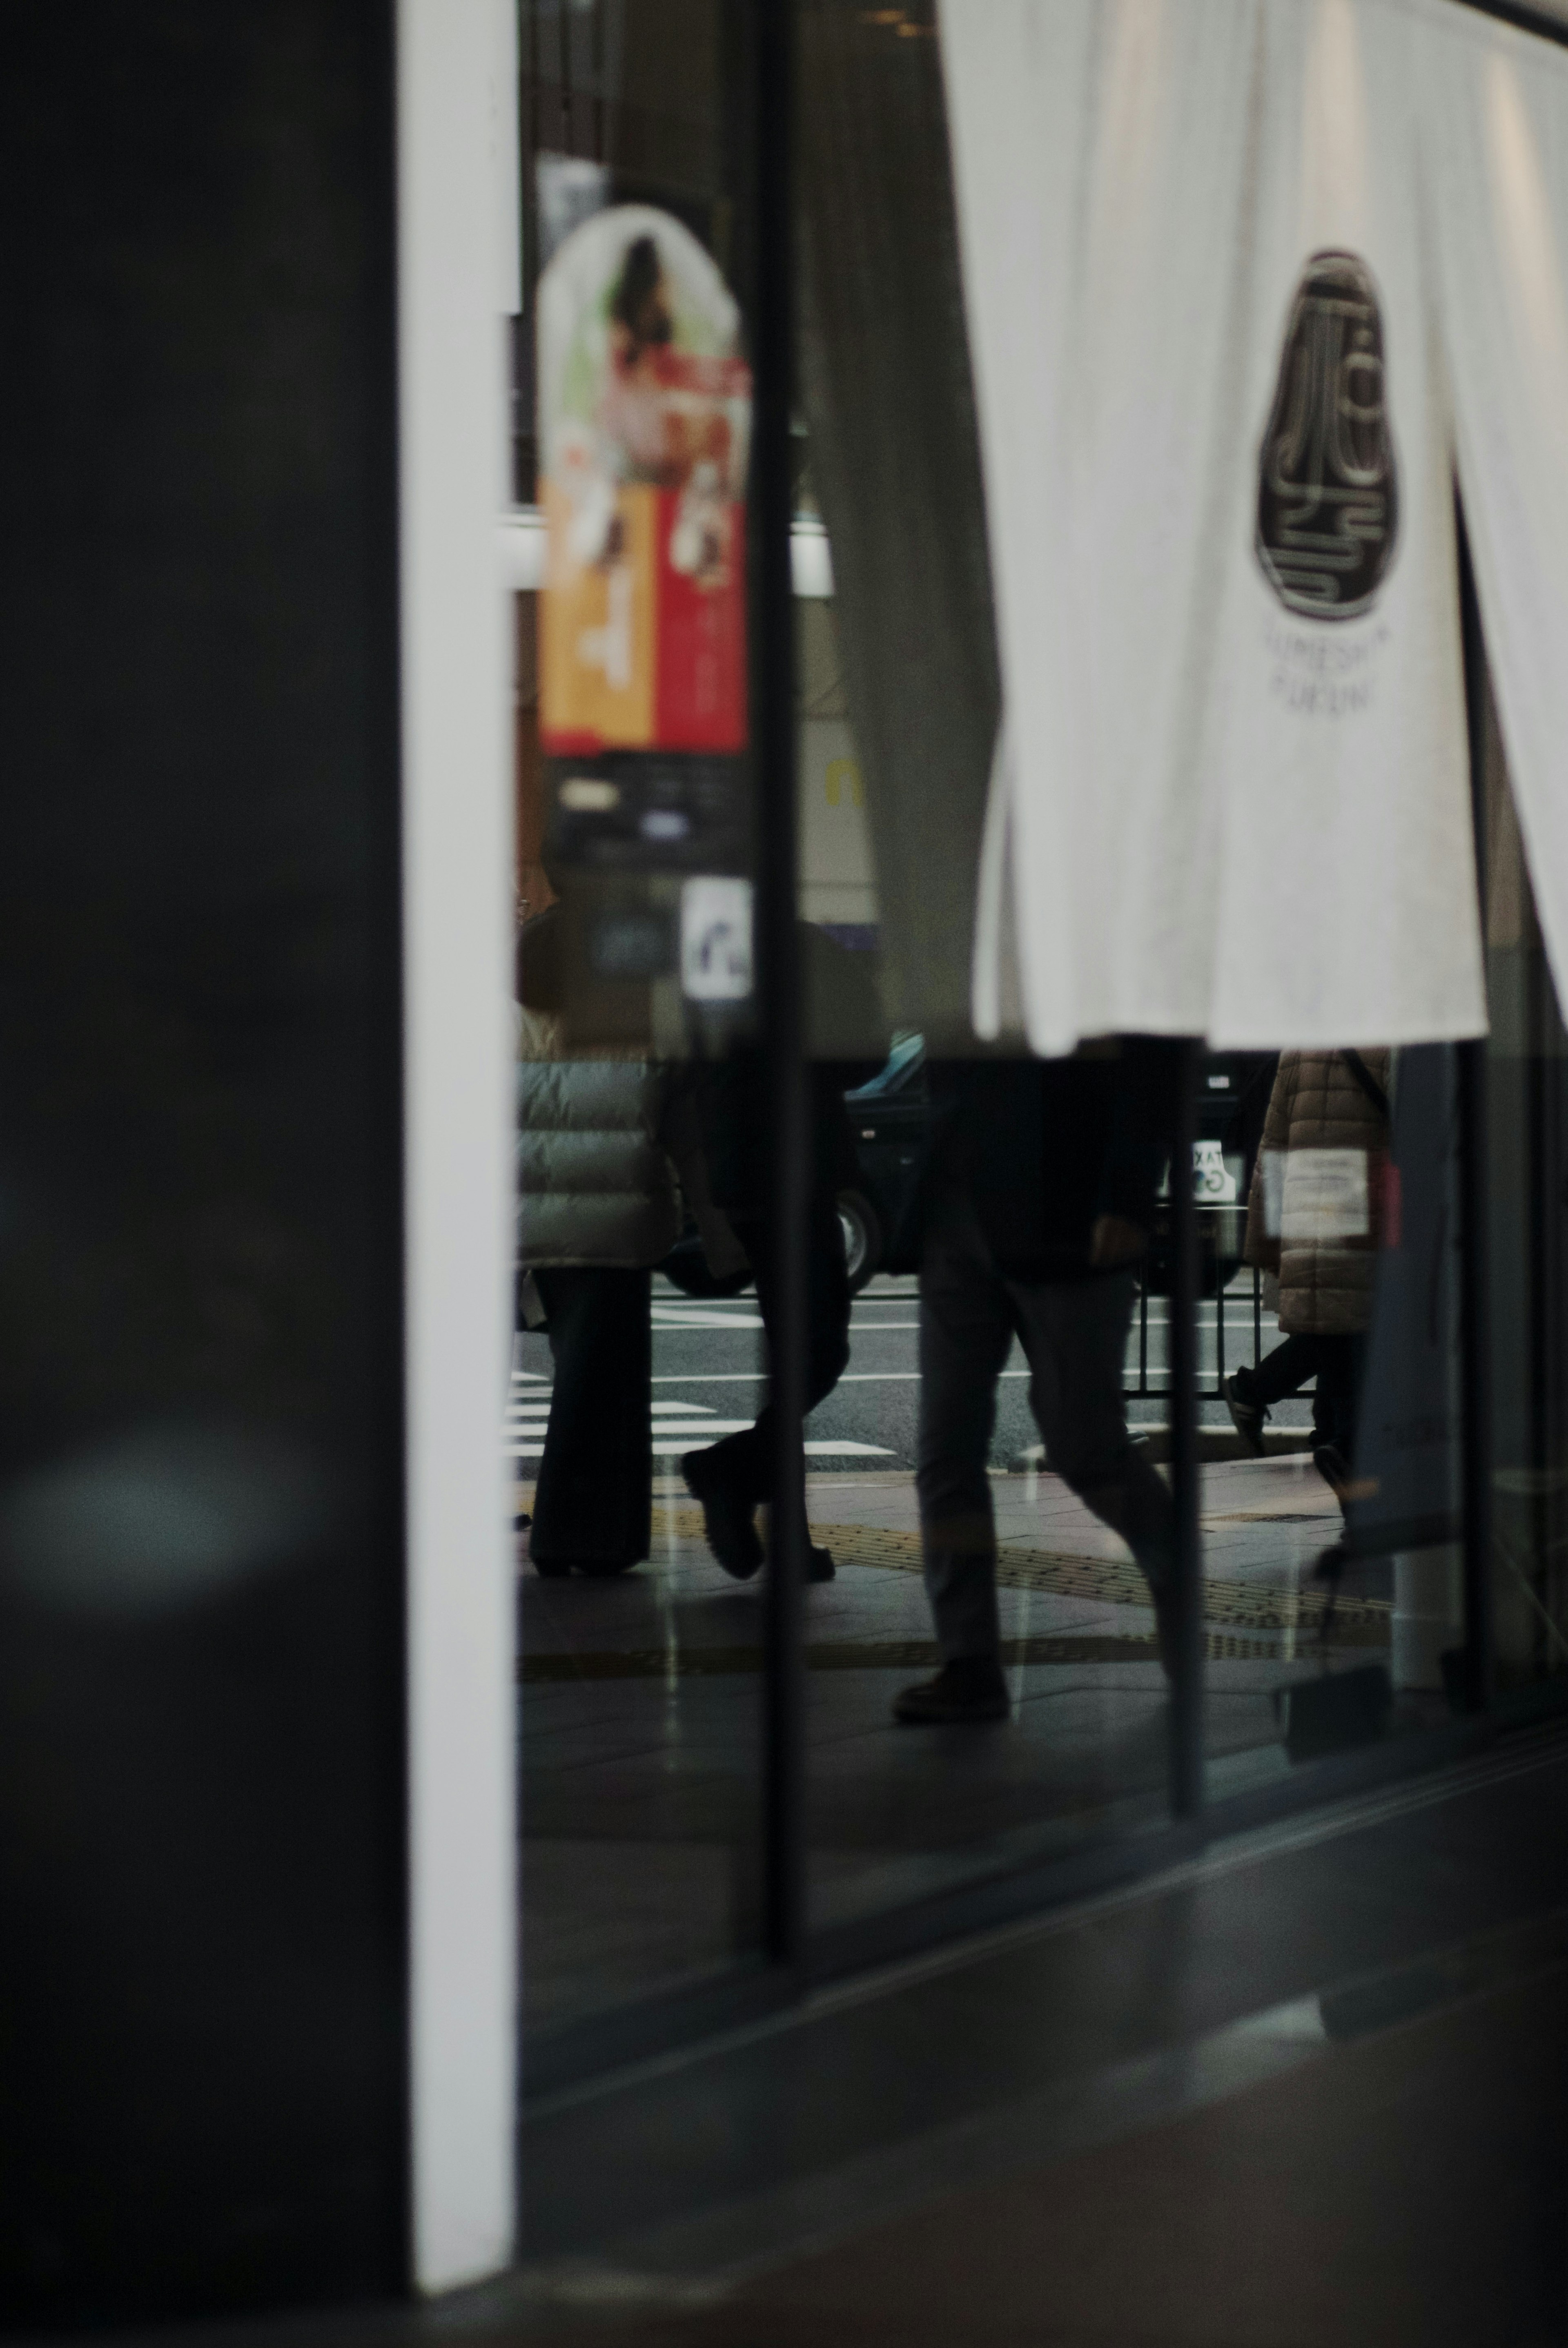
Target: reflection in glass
1332 1592
1527 1256
986 1670
638 1321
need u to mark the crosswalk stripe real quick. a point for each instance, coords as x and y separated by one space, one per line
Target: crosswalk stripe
676 1432
688 1431
701 1426
659 1409
665 1316
681 1440
677 1419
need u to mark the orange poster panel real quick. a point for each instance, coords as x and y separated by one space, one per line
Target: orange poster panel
645 404
596 630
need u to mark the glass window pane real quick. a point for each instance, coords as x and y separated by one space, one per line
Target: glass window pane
1527 1260
989 1469
1332 1480
639 1329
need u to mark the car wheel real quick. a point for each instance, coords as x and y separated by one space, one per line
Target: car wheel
862 1238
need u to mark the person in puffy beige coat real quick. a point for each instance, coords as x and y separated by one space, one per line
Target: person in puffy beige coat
1312 1220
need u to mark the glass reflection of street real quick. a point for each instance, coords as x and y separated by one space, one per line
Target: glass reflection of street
640 1692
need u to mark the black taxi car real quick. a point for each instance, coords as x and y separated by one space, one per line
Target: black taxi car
888 1120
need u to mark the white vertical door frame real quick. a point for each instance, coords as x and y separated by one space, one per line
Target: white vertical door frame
457 193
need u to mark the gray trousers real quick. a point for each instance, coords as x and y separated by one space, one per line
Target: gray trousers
1074 1336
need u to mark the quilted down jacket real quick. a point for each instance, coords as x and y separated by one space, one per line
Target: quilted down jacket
599 1141
1324 1274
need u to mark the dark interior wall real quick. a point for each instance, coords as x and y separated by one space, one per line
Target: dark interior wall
202 2000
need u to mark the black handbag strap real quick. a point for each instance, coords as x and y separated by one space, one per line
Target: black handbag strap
1367 1080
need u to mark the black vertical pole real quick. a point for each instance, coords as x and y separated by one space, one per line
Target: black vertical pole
1475 1293
1187 1688
771 64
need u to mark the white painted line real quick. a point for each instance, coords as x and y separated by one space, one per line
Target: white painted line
672 1316
669 1441
518 1413
701 1426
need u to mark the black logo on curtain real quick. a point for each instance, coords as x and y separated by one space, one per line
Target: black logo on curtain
1328 490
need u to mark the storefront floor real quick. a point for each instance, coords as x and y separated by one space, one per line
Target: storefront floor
641 1713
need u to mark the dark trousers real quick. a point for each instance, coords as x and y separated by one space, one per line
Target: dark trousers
1074 1337
746 1460
592 1500
1334 1361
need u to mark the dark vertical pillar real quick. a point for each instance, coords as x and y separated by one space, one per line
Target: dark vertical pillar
771 61
1475 1291
1187 1689
202 1912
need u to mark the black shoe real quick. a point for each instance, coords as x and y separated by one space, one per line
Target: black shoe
1246 1417
970 1690
821 1567
729 1522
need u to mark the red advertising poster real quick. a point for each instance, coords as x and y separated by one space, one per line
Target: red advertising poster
644 421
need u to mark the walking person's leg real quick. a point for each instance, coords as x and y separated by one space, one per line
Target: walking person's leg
1075 1334
592 1504
731 1477
1336 1407
827 1307
1250 1391
966 1334
828 1299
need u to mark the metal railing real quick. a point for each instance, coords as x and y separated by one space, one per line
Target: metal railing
1217 1268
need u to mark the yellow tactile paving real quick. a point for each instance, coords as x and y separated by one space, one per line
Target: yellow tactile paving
890 1654
1112 1582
